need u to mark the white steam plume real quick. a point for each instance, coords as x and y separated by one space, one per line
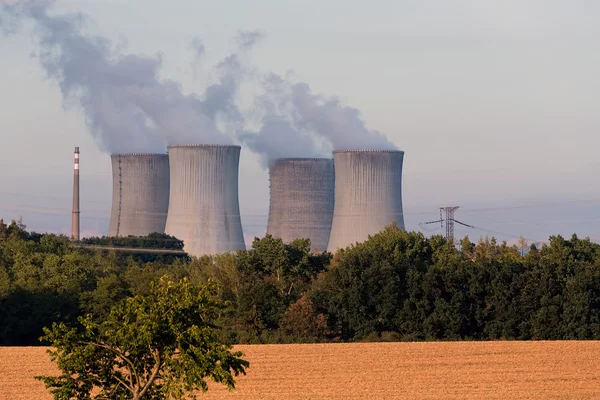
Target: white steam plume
297 123
342 126
197 46
247 39
278 135
128 108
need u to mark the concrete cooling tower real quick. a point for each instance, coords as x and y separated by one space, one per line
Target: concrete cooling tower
140 194
368 194
204 208
301 203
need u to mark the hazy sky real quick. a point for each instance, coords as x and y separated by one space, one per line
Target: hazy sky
496 104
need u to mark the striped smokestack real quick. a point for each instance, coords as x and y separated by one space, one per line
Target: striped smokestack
75 220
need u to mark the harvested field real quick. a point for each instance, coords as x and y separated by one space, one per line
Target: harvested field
457 370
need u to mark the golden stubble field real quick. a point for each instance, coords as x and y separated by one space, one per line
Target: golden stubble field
455 370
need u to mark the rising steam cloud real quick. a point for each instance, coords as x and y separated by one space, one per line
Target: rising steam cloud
277 134
342 126
299 123
128 108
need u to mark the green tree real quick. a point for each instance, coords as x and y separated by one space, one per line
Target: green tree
99 302
159 346
300 324
290 266
366 285
272 275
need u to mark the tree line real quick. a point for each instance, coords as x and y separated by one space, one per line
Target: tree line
394 286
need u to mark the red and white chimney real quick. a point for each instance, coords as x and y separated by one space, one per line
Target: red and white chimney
75 220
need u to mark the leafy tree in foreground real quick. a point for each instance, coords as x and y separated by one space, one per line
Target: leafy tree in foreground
159 346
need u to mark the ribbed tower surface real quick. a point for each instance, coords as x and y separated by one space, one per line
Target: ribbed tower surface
140 194
301 204
368 195
204 208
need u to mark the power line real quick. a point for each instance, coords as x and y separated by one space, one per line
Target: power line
532 205
505 234
89 213
450 221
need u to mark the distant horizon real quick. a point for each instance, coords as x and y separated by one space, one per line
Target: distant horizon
97 225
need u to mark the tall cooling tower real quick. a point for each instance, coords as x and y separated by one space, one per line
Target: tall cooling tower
301 203
204 208
368 194
140 194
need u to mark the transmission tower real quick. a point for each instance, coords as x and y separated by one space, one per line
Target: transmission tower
449 211
450 220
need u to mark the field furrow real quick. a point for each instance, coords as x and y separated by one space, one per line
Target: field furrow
456 370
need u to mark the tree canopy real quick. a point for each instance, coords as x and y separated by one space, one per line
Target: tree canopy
395 285
160 346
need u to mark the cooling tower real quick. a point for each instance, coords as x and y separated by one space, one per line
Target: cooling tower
140 194
204 208
368 194
301 203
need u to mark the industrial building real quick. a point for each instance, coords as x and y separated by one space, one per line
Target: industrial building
368 195
301 202
204 207
192 194
140 194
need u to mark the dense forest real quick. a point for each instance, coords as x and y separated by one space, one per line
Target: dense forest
395 286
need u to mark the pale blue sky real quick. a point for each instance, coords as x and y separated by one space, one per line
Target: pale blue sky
496 103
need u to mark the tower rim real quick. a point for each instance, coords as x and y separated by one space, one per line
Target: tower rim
368 151
233 146
140 154
302 159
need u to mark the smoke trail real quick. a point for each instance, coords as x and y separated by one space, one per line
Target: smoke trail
127 107
297 123
294 122
198 50
341 125
247 39
197 46
220 98
278 136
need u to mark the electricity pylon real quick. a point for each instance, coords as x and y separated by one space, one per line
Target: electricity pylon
450 220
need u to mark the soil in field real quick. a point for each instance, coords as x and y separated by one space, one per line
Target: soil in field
457 370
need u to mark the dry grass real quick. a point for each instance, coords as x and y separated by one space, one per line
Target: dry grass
463 370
